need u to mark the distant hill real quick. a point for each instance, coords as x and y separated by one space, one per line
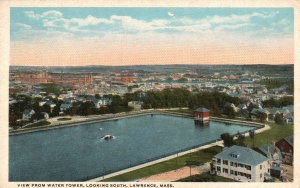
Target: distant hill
203 69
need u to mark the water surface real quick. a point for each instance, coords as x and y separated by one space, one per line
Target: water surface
77 153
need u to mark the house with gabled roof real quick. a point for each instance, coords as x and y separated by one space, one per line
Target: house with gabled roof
286 146
241 164
272 152
275 158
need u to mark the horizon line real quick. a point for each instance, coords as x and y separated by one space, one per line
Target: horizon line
144 65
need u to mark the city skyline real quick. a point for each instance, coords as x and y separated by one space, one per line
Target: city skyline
141 36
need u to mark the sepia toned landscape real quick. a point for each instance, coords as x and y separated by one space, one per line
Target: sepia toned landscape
151 95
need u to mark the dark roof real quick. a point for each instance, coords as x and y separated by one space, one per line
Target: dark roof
202 109
290 140
269 150
244 155
28 111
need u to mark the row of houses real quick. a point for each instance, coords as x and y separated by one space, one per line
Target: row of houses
68 103
286 111
249 165
98 102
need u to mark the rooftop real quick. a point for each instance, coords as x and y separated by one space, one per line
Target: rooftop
202 109
290 140
242 155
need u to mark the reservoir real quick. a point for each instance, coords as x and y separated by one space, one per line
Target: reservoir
78 153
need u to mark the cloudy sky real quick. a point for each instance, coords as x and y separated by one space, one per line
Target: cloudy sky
131 36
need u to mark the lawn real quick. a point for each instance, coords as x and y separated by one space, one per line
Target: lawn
274 134
201 156
205 177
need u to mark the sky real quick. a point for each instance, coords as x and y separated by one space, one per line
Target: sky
134 36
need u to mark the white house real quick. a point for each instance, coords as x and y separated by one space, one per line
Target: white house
27 114
241 164
136 105
102 102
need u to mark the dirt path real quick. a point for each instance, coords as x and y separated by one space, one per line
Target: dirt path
176 174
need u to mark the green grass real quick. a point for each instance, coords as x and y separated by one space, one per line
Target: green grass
39 124
201 156
205 177
64 119
274 134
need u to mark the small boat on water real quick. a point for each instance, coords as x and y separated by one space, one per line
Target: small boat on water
107 137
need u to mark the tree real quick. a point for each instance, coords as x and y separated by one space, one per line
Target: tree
86 108
46 108
12 119
279 119
227 139
97 96
229 111
252 134
240 140
192 162
182 79
51 88
262 116
55 111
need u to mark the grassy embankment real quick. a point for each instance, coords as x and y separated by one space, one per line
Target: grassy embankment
38 124
268 137
202 156
275 133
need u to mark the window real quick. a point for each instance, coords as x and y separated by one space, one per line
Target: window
260 175
248 176
225 162
225 170
231 163
235 173
218 169
260 166
231 172
248 167
218 161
